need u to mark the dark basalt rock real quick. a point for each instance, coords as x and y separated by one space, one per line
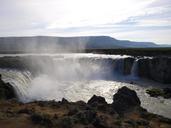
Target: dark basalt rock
64 101
128 63
143 68
124 100
167 92
6 90
52 114
157 69
97 100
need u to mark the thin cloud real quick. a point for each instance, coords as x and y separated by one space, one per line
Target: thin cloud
87 17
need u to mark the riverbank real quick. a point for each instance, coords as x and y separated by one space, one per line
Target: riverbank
125 111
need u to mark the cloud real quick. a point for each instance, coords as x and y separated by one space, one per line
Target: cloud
85 17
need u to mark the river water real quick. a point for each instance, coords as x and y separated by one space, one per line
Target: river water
78 77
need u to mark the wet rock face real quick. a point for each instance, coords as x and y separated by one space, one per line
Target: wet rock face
127 66
158 69
143 68
6 90
125 99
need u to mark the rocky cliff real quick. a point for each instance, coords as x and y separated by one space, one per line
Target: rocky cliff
158 69
155 68
6 91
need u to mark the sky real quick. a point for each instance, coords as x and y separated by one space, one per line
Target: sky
135 20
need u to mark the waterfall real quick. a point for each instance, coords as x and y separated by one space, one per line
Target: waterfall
20 80
74 77
60 72
134 69
118 67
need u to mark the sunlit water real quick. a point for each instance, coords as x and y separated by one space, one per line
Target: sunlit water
79 81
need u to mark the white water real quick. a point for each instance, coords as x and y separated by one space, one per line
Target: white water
19 80
134 70
79 80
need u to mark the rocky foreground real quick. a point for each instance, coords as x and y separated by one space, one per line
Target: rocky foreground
124 112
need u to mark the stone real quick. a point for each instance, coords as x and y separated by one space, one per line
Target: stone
64 101
125 100
97 100
6 90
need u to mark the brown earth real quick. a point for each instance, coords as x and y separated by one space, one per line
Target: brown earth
94 114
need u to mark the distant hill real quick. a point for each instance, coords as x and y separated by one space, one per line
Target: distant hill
67 43
164 45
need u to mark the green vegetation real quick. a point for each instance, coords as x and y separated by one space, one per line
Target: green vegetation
156 92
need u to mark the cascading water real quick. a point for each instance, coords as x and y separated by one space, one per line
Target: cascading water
78 77
19 80
60 72
134 70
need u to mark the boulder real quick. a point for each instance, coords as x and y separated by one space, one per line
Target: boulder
6 90
125 100
97 100
64 101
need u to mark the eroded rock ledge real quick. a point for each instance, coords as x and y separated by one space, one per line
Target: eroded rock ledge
6 90
124 112
157 69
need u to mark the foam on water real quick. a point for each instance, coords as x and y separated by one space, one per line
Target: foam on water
79 80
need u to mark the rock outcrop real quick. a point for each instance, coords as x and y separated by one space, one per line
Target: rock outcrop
127 66
125 100
6 90
97 100
158 69
65 114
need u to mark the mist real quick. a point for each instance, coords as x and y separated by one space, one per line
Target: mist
64 72
43 44
50 76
